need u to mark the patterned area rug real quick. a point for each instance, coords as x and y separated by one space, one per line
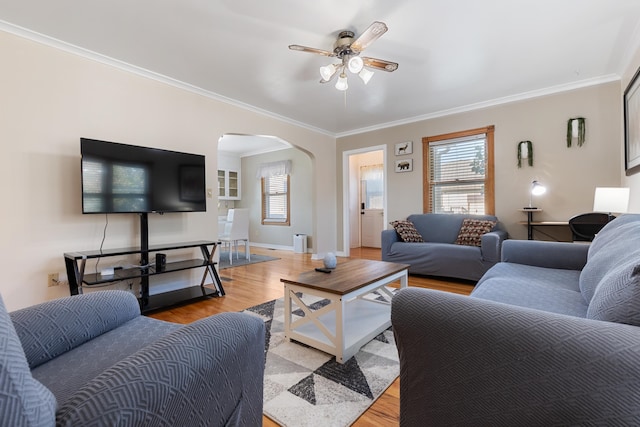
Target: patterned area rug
307 387
224 260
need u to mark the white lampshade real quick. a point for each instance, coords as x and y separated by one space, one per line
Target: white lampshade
355 64
327 71
365 75
342 84
611 199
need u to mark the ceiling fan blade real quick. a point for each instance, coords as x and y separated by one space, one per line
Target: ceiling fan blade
380 64
370 35
310 50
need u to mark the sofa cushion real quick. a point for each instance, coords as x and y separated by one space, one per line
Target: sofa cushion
617 297
407 231
614 245
442 228
546 289
50 329
471 231
94 357
23 400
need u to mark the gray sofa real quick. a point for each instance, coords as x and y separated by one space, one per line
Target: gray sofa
550 336
438 255
94 360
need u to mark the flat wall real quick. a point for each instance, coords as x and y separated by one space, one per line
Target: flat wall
570 174
300 198
51 98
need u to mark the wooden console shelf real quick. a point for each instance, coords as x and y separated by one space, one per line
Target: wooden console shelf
75 264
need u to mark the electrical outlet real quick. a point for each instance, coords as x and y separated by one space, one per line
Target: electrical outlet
53 279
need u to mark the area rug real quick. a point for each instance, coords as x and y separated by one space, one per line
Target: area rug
224 260
307 387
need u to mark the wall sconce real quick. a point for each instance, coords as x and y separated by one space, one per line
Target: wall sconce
537 189
576 129
525 151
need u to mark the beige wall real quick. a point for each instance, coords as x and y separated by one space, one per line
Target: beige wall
279 236
51 98
570 174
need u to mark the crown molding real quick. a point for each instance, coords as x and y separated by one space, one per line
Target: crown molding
94 56
124 66
491 103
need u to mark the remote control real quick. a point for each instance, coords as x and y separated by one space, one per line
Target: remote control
323 270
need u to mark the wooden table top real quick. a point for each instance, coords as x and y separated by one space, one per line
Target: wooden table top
347 276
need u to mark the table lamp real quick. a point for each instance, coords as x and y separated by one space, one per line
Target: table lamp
611 199
537 189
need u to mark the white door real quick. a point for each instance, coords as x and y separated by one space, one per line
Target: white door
372 223
371 212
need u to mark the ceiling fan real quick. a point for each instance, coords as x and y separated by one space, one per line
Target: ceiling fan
348 50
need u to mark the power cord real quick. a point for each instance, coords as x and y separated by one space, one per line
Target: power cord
104 236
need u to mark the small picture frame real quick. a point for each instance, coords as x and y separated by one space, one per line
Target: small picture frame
404 165
403 148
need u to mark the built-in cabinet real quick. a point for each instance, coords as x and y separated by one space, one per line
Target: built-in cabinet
228 184
229 168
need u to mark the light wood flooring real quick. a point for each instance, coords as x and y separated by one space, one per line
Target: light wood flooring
258 283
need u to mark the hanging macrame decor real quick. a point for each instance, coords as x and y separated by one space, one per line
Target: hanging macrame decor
576 129
525 151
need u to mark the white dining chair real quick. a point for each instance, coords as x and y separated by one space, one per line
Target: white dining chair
236 229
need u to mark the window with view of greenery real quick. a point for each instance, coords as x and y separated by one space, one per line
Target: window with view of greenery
459 173
275 200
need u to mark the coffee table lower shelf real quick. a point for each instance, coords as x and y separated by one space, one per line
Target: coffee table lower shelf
360 315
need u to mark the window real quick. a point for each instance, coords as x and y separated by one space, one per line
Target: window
275 200
372 186
459 173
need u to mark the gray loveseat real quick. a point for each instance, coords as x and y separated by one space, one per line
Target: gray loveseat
438 255
549 336
94 360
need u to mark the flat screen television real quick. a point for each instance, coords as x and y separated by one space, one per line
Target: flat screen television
122 178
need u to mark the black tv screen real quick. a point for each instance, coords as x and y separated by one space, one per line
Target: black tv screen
122 178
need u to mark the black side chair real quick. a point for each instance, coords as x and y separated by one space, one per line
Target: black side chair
584 227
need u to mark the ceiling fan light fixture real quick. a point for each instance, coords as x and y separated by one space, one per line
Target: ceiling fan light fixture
365 75
327 71
342 84
355 64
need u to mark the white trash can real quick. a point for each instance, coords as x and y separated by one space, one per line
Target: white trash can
300 243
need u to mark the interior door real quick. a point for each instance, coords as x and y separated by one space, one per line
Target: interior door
372 223
371 212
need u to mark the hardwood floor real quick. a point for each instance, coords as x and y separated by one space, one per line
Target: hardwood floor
246 286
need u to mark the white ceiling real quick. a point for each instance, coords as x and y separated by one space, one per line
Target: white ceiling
250 145
453 55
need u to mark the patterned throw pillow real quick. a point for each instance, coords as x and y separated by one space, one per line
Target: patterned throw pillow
472 230
407 231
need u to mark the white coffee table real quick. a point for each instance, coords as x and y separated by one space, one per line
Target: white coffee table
350 320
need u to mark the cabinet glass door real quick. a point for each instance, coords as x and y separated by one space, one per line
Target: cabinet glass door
221 184
233 184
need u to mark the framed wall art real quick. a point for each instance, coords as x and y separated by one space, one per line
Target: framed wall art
632 126
403 148
404 165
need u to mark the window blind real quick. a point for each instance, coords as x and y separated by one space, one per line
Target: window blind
457 173
275 198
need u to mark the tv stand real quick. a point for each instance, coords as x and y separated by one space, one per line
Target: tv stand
78 277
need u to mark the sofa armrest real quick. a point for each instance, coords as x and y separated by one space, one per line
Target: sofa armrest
208 373
52 328
491 245
564 255
467 361
388 238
